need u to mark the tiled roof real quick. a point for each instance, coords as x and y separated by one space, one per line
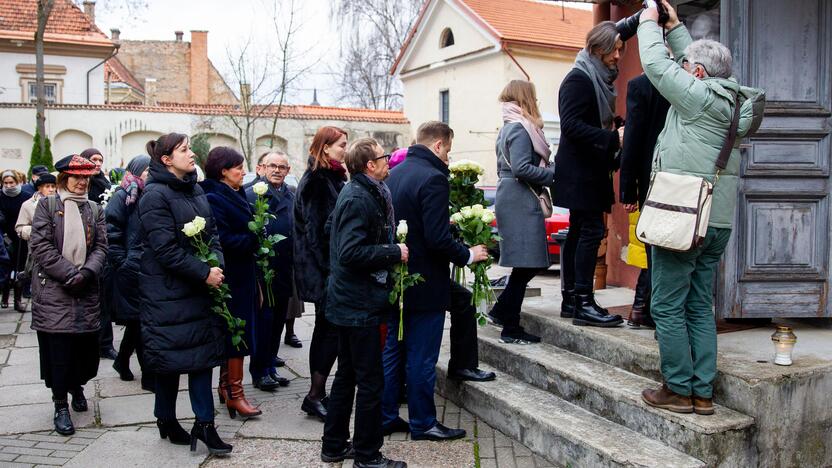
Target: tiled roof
287 112
67 23
120 74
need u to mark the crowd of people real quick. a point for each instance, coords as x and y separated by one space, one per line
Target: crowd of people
133 258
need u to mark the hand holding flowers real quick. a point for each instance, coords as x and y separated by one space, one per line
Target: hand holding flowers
474 223
258 226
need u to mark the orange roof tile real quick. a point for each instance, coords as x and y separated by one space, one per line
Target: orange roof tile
67 23
286 112
120 74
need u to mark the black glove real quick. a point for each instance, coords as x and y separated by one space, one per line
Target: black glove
77 285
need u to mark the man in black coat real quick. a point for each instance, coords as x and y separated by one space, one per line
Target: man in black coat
362 254
274 167
646 114
585 162
421 193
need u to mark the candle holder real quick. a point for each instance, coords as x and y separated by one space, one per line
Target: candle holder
784 340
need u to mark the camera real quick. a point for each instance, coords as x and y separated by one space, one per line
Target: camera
627 27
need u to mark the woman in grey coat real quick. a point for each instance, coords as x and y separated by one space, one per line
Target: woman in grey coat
524 172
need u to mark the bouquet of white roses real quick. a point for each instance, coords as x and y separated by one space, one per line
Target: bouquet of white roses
258 226
474 224
402 279
463 179
236 326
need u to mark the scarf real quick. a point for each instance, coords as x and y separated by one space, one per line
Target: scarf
12 191
513 113
602 79
75 236
277 192
384 190
133 186
339 168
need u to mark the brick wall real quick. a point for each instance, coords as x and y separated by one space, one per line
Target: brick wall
199 67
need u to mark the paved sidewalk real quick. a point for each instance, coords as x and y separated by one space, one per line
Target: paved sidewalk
119 429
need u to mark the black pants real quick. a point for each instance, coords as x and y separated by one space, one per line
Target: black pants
643 286
464 353
270 322
580 251
105 333
359 365
323 350
132 341
508 305
67 360
199 389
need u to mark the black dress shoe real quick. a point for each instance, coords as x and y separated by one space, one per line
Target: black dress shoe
279 362
519 337
293 341
567 305
283 381
472 375
347 452
589 313
63 423
123 369
494 319
439 432
173 431
380 462
79 401
398 425
266 383
108 354
314 408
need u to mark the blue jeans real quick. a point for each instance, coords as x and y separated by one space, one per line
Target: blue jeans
199 389
418 353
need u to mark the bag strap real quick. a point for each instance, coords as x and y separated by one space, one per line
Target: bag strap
534 192
731 138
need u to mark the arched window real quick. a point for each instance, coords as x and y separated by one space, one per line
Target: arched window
446 39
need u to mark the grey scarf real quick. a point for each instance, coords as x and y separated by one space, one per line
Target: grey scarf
602 79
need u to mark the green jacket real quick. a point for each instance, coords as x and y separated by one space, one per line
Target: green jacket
699 117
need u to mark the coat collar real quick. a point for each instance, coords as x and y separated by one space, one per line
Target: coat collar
424 153
236 197
160 175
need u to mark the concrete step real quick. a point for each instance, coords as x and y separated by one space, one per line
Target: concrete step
723 439
563 433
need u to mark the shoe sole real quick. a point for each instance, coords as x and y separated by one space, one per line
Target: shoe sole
437 439
517 341
328 459
463 379
493 321
673 408
703 412
585 323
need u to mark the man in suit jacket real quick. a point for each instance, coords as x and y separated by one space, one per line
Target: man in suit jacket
420 191
646 114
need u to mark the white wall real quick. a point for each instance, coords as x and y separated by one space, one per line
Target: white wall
74 87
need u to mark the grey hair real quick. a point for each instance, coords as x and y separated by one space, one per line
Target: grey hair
601 39
715 57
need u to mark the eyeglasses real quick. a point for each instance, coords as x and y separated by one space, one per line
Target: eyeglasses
281 167
685 63
383 156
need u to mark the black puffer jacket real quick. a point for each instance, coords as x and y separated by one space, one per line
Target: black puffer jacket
124 256
314 201
179 331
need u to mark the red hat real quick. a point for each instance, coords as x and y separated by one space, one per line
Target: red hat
76 165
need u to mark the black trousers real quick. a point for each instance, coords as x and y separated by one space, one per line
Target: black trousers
199 389
580 251
644 284
323 350
508 305
270 322
464 352
132 341
359 365
105 333
67 360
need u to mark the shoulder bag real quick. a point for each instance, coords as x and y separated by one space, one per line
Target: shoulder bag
676 213
544 198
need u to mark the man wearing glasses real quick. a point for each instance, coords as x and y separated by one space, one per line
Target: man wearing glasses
272 169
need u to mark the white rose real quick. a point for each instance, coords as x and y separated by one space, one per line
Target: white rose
260 188
456 218
190 229
477 209
199 223
466 212
401 230
487 217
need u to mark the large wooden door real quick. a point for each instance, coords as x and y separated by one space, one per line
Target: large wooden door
777 263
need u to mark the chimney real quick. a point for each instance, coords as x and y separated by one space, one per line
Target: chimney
89 10
245 95
178 35
315 98
115 34
150 91
199 67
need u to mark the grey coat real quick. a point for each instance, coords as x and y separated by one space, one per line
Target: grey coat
519 217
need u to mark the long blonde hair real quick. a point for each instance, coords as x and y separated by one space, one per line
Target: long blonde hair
524 94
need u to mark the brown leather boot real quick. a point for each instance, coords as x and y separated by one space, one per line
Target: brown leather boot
702 405
665 398
223 384
236 399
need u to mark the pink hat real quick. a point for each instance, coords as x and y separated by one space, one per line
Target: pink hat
397 157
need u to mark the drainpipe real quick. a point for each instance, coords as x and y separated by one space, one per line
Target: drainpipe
113 54
505 49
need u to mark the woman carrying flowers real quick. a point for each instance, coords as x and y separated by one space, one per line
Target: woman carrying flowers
180 332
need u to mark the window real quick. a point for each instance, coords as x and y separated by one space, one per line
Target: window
444 106
50 92
446 39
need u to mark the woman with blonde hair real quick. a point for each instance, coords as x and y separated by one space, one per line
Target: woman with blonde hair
524 173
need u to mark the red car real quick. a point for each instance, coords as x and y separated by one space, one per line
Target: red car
559 220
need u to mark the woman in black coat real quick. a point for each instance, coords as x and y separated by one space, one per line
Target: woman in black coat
315 198
180 333
124 256
12 197
223 185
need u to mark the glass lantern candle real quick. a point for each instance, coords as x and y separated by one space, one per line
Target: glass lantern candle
784 340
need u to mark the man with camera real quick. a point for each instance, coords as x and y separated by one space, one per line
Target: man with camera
702 95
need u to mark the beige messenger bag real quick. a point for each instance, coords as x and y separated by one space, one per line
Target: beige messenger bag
676 213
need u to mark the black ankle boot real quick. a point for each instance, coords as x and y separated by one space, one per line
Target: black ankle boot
79 401
588 312
207 433
567 305
62 420
171 430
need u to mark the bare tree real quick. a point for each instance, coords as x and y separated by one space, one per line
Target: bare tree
374 32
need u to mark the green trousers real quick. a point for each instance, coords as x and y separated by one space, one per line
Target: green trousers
683 309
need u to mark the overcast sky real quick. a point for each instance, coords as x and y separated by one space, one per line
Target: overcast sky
229 25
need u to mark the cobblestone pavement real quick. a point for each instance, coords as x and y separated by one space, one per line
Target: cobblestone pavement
119 429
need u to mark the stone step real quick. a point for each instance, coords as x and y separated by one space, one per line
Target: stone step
723 439
557 430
